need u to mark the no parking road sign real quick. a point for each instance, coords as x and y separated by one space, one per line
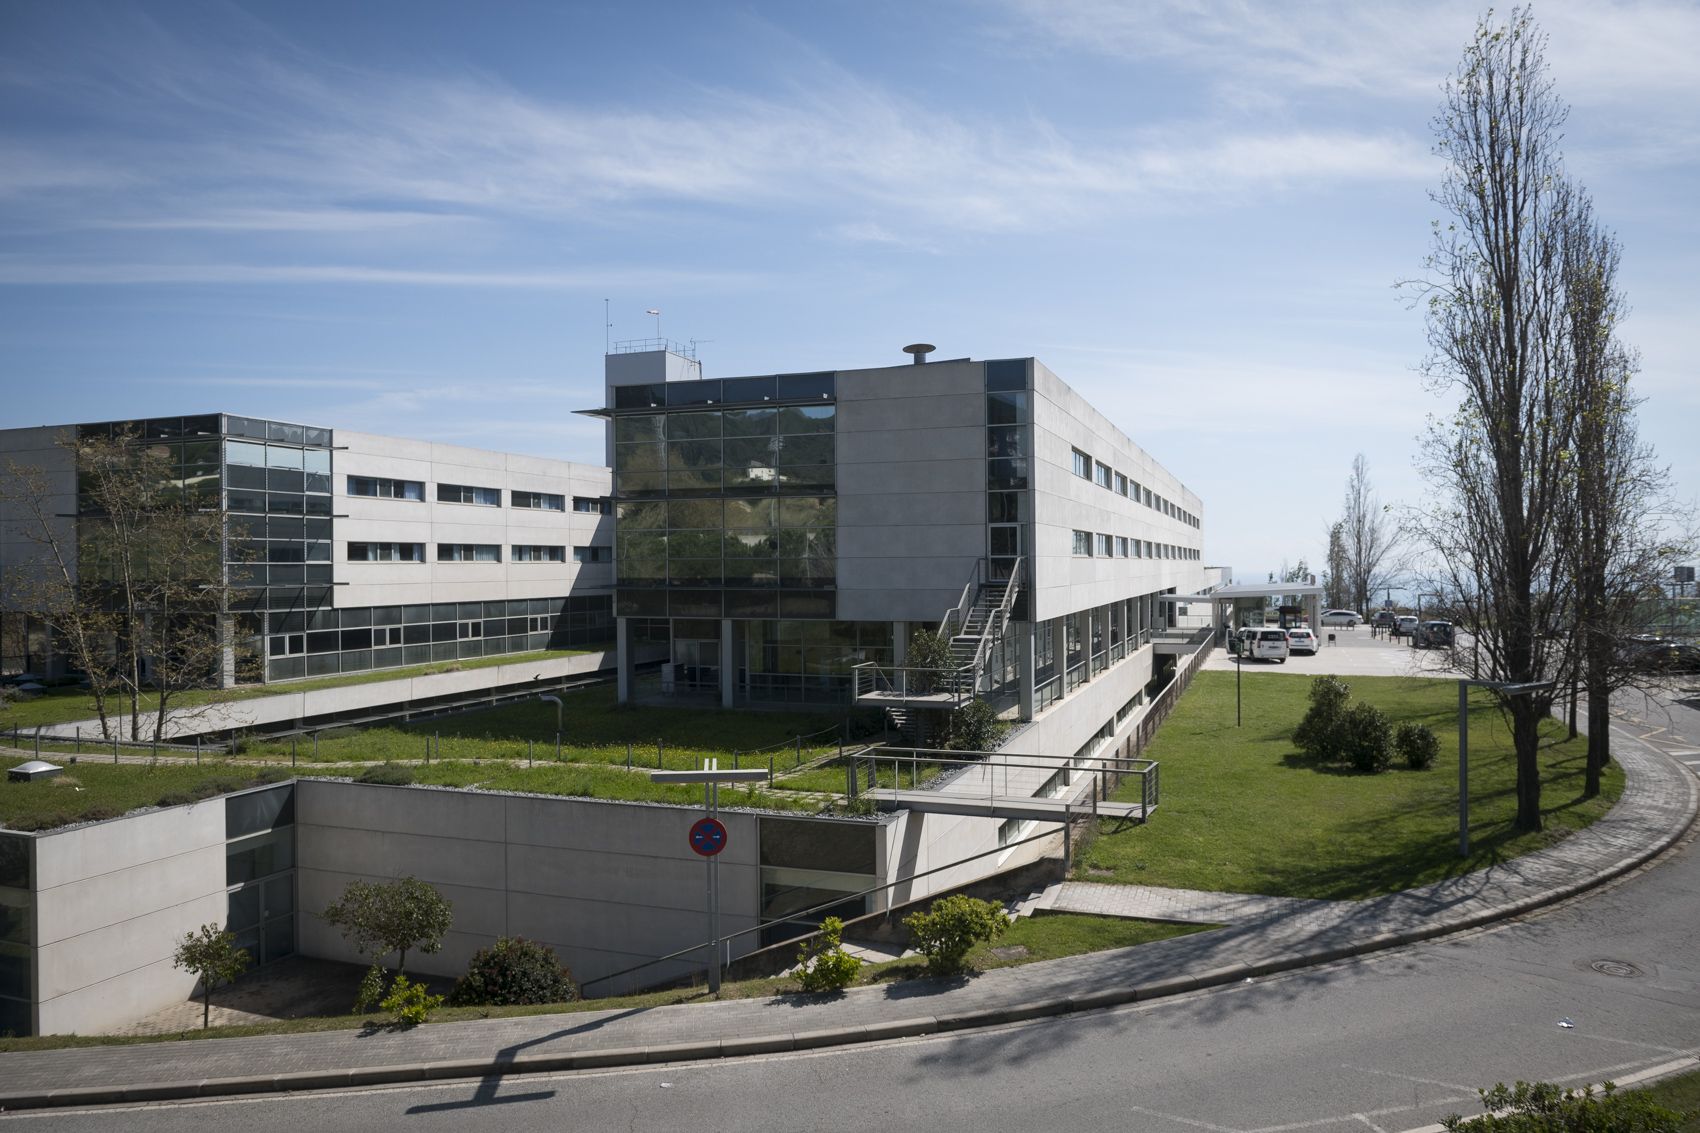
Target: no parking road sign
708 836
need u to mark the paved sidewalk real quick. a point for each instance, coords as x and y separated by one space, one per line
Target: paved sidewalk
1264 936
1154 903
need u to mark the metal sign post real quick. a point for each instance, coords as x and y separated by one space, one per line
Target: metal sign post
708 837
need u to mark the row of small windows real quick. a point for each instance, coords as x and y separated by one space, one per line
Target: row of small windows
474 553
382 487
1104 476
1090 545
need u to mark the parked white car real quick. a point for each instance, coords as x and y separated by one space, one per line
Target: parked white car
1405 626
1301 640
1347 618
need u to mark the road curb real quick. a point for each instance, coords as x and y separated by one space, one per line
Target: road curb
916 1026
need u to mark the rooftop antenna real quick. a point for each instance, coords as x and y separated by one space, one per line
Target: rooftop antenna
919 351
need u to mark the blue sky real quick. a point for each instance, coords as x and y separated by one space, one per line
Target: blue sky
404 216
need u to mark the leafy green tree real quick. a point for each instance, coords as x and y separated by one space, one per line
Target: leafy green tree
945 933
211 954
929 660
976 727
393 916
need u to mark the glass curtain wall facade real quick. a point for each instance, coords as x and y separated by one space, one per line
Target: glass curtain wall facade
276 482
726 508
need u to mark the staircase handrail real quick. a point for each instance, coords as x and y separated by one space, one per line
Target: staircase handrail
959 612
996 624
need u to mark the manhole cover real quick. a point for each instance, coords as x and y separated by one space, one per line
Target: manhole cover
1615 968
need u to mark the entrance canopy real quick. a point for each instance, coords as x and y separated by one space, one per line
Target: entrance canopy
1246 596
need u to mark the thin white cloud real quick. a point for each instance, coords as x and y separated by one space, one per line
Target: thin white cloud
1634 56
834 147
22 271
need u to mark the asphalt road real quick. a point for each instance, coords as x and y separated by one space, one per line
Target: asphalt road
1389 1042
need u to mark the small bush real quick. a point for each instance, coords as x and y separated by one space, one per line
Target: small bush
945 933
1542 1107
408 1003
388 774
46 820
977 727
178 798
1417 745
1318 734
512 971
371 990
823 965
1365 738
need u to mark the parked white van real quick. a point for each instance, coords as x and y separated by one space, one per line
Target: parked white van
1269 643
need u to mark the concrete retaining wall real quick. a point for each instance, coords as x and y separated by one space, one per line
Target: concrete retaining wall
113 899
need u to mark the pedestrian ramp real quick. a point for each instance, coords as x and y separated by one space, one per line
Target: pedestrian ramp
1028 808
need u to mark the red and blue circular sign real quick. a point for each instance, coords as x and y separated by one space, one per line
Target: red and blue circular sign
708 836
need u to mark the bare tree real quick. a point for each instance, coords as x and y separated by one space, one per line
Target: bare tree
134 587
1625 537
1369 539
1336 579
1503 464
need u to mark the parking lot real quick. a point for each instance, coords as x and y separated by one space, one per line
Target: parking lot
1352 652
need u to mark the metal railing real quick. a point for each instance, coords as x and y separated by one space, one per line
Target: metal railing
1108 771
700 949
910 682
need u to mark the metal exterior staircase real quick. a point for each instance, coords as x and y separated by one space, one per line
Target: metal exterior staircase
978 621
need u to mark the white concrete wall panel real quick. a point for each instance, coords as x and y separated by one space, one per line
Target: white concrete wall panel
430 522
113 899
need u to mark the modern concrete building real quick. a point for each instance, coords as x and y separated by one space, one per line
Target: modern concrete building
348 551
783 535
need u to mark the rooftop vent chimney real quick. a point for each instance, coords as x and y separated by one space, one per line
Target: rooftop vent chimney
919 350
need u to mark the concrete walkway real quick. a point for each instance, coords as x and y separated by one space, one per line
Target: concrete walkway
1263 936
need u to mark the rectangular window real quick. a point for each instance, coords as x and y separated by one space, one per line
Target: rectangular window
1121 485
469 553
539 623
593 505
593 554
384 488
532 553
1082 465
1101 475
539 501
1106 547
1148 497
1121 546
386 552
466 631
1083 543
467 494
386 635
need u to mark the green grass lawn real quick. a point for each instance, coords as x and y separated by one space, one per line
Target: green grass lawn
1044 937
1243 811
828 777
89 791
1681 1093
65 705
596 730
580 781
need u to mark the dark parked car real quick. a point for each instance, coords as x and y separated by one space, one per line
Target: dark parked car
1661 655
1384 619
1432 635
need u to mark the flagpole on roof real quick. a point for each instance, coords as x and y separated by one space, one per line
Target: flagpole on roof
656 311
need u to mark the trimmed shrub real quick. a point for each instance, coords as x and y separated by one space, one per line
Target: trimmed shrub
513 971
945 933
977 727
822 963
371 990
1318 734
1365 738
388 774
1417 745
1542 1107
409 1004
